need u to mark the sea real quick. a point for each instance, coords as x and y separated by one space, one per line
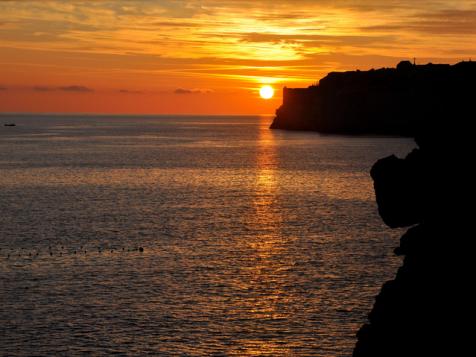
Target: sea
187 236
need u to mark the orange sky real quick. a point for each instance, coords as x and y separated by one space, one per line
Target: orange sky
209 56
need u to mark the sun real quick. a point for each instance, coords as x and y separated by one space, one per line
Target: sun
266 92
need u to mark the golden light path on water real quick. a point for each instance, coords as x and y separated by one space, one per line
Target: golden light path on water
265 271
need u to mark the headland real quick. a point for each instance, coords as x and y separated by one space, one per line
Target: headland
387 101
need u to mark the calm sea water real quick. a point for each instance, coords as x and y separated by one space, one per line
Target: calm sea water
255 242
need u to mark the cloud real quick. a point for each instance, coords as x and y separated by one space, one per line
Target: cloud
128 91
222 44
174 24
71 88
314 39
43 89
192 91
76 88
443 22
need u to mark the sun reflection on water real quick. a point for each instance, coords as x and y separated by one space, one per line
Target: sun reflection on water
267 262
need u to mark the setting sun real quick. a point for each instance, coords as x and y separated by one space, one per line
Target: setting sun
266 92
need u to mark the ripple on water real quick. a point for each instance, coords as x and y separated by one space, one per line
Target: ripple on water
255 242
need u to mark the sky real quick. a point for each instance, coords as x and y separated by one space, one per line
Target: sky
209 56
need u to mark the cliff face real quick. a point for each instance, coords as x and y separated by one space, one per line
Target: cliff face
390 101
428 309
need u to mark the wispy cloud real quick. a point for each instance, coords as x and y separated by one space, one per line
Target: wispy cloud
76 88
444 22
151 46
129 91
207 28
192 91
316 39
71 88
43 89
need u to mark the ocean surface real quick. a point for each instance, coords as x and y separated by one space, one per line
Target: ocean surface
187 236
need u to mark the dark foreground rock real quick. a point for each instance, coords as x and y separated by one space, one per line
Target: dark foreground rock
428 309
387 101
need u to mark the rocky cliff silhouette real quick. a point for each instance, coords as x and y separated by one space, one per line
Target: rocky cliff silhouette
389 101
428 309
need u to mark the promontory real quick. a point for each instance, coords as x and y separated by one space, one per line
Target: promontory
386 101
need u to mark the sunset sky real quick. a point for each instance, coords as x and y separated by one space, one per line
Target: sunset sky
209 56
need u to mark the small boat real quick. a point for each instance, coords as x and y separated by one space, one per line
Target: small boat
9 124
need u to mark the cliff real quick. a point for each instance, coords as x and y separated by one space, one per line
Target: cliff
388 101
428 309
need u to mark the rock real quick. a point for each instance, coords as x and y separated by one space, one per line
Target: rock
398 190
426 310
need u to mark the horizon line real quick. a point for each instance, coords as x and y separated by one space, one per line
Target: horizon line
123 114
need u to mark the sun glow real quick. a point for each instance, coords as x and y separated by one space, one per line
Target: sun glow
266 92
